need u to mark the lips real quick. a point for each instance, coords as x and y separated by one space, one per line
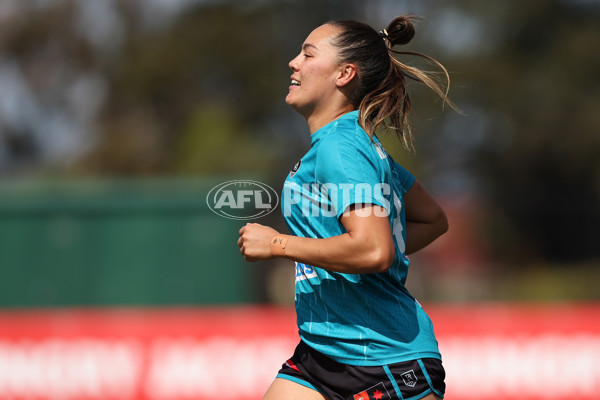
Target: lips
293 89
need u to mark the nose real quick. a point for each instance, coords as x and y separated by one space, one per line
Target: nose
293 64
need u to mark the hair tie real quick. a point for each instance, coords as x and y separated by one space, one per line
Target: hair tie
383 33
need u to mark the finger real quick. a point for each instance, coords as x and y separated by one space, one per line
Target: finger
241 232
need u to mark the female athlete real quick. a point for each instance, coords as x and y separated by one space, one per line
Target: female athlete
354 215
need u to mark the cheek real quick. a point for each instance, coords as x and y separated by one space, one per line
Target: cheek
329 72
323 74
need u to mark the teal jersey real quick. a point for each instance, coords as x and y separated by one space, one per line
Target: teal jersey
356 319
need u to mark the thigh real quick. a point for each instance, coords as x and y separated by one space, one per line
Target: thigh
431 397
283 389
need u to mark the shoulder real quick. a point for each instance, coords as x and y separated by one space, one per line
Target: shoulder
349 156
344 137
340 150
337 144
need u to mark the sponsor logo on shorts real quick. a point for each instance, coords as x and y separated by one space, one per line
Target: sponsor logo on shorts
409 378
304 271
377 392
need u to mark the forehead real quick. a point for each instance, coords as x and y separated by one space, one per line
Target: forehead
320 36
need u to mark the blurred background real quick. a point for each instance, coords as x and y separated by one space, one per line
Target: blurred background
117 117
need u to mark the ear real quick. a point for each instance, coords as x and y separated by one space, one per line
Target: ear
346 75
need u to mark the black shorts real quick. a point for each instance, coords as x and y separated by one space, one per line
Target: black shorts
404 380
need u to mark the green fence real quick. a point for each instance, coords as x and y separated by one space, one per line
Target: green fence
117 243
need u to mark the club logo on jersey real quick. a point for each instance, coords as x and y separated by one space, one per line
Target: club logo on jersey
409 378
377 392
296 168
304 271
242 199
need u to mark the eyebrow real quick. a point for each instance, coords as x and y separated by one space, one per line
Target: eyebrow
306 45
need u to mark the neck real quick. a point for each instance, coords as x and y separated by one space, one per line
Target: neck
317 121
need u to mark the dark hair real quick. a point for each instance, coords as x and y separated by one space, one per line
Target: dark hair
381 95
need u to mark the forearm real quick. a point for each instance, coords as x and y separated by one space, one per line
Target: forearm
420 235
425 219
366 247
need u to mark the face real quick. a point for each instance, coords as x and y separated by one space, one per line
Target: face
314 72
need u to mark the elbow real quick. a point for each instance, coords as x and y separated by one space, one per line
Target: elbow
382 259
443 224
437 224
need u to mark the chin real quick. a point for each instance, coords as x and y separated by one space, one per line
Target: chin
290 102
300 108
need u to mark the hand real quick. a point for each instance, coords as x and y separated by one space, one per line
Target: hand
255 241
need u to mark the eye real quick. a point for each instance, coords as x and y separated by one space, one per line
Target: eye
306 55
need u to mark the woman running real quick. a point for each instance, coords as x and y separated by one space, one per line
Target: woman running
354 215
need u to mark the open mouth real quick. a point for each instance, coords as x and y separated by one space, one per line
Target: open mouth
295 83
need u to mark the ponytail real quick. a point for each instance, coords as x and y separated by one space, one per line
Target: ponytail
381 96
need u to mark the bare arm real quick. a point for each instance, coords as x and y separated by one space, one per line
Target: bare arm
425 219
366 247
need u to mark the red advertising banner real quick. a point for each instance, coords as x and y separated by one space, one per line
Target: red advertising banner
498 351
